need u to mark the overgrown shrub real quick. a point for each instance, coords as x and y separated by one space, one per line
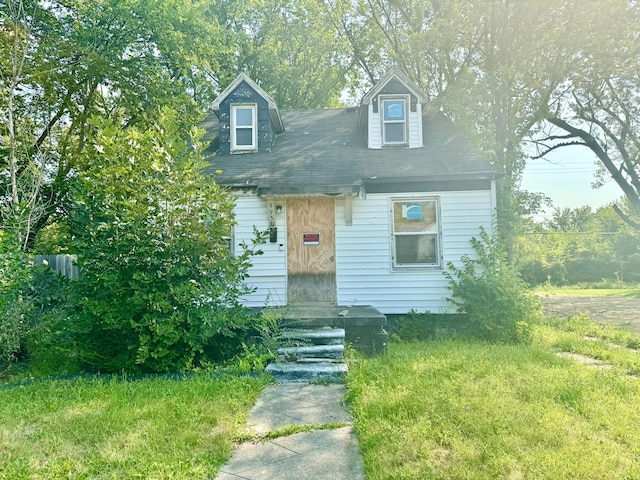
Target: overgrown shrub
160 286
496 302
50 344
15 272
416 326
537 272
591 267
261 346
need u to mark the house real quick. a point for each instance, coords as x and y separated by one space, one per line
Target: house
365 206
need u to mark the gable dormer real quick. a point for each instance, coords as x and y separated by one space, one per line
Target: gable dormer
391 112
249 118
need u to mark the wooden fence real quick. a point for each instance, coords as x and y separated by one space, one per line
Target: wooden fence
63 264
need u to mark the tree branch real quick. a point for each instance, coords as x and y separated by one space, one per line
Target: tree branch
626 217
606 160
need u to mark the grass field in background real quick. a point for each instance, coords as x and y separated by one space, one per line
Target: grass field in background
155 428
468 410
573 291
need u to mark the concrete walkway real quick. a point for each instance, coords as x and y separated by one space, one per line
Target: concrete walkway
330 453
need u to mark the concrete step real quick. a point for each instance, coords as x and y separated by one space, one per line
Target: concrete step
307 372
282 358
313 351
318 336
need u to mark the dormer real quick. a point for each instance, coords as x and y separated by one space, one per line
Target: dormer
249 118
391 112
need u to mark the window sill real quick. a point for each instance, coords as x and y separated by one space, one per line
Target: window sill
243 150
417 269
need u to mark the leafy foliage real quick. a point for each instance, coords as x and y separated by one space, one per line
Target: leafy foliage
597 106
14 276
426 326
79 59
579 246
159 283
287 47
496 302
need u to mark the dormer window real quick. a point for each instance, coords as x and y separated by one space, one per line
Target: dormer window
394 120
244 127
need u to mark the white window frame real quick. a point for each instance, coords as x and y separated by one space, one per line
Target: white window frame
405 122
437 233
254 127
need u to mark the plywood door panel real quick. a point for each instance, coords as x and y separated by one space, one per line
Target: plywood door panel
311 266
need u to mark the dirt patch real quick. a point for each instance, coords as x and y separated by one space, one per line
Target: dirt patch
585 360
622 312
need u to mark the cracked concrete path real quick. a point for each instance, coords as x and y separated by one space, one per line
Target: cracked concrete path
329 453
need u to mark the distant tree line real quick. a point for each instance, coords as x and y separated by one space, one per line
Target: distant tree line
579 245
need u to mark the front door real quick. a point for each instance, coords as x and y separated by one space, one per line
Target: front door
311 250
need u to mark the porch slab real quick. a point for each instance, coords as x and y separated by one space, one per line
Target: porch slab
320 315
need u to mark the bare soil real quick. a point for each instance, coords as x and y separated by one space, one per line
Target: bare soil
623 312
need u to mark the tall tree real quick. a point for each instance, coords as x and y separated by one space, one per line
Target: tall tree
86 58
493 65
287 46
20 204
598 106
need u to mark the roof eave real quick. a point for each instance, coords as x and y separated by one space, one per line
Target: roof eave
437 178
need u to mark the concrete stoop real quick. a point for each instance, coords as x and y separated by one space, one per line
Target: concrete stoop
292 372
317 356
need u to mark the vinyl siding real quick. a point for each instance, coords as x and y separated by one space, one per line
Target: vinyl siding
364 274
374 129
268 275
363 252
415 127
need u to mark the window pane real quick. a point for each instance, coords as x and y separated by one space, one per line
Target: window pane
394 110
415 216
244 117
244 137
416 249
394 133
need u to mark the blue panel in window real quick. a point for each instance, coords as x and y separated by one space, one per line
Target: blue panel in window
394 110
414 211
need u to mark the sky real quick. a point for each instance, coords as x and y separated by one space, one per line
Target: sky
566 177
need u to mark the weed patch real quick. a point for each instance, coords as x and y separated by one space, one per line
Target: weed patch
462 409
151 428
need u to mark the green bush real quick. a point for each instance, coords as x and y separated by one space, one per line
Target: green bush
160 286
417 326
537 272
591 267
50 344
15 273
496 302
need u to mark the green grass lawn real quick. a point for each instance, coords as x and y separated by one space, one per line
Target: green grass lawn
633 292
155 428
467 410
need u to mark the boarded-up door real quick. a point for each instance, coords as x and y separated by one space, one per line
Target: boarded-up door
311 250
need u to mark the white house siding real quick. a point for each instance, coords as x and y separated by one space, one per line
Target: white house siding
363 252
268 275
415 128
375 129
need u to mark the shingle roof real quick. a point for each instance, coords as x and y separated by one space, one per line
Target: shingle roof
323 151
